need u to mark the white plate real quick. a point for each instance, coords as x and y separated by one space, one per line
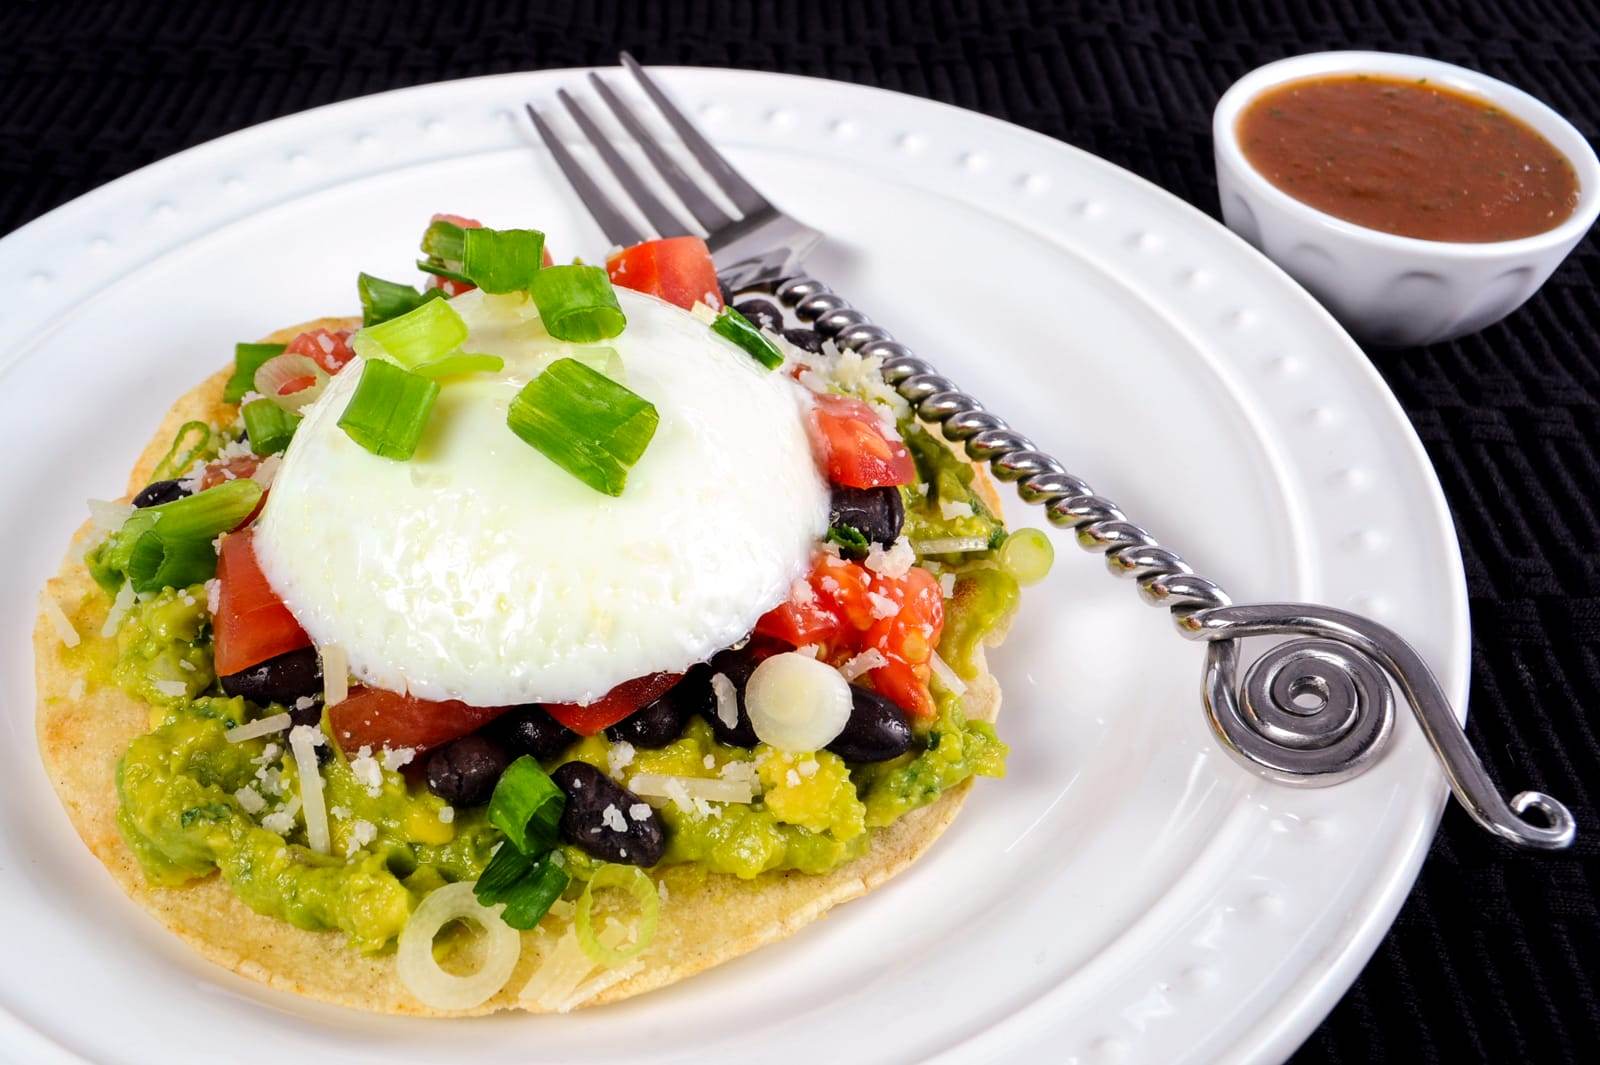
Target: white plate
1126 894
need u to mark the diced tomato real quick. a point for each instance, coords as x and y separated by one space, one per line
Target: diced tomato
328 348
840 611
615 704
677 269
372 717
455 219
251 624
228 470
853 447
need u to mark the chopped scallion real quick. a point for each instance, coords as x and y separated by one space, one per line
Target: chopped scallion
577 303
247 359
269 425
157 562
584 422
462 362
179 457
430 331
428 266
209 514
502 260
382 300
526 806
739 329
444 240
527 885
390 407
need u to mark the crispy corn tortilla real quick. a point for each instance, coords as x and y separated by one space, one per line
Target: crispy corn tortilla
706 918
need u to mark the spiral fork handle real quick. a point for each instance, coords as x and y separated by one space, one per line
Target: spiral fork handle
1314 710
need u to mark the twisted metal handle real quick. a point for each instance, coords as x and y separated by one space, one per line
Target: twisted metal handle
1312 711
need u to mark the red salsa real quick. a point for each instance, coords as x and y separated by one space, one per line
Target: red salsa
1408 157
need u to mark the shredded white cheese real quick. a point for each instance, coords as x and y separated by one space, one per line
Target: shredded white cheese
810 650
684 790
895 562
172 689
620 756
261 727
727 700
267 471
335 674
950 509
882 605
947 585
58 619
946 676
394 758
304 741
866 661
250 799
213 595
119 609
367 771
106 517
361 834
703 312
801 592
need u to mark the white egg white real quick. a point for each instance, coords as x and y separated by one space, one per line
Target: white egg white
479 570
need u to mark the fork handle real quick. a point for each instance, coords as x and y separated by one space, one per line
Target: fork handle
1342 663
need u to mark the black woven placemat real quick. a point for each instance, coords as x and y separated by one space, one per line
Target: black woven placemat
1495 956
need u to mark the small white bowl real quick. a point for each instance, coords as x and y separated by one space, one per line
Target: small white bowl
1389 289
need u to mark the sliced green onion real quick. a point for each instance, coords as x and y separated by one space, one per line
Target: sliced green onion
247 359
382 300
1027 555
175 463
462 362
502 260
428 266
390 407
526 806
633 881
602 360
743 332
584 422
430 331
179 526
269 425
577 303
206 515
157 562
444 240
852 542
527 886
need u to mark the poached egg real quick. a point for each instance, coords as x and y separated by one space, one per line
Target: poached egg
479 570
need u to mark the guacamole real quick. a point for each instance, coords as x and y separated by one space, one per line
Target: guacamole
193 803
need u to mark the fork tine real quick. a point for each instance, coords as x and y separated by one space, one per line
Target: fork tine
740 191
704 209
613 223
666 223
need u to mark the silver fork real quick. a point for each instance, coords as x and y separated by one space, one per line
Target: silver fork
1315 709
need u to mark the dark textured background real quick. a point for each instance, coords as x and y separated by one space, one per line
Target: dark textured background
1495 955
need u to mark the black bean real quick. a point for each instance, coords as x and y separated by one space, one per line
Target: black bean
283 679
157 492
804 339
530 730
593 800
763 313
736 664
656 725
877 729
876 513
464 772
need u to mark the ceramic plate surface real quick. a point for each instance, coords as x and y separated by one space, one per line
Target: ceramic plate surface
1126 894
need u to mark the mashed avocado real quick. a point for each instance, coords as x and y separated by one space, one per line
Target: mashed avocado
193 804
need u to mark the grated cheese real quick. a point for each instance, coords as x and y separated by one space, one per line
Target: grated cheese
620 756
394 758
361 834
882 605
947 676
58 618
684 790
950 509
172 689
727 700
281 820
304 741
119 609
639 811
250 799
261 727
367 771
612 818
947 585
895 562
867 660
335 674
